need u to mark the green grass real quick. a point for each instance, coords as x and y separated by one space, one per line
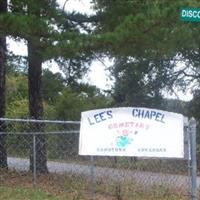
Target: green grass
130 191
15 186
19 193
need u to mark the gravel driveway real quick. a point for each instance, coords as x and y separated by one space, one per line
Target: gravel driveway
139 177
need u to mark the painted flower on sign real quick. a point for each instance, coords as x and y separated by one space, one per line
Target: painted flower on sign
124 139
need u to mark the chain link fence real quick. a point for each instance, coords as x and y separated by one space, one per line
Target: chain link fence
45 154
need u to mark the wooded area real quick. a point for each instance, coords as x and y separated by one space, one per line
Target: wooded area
154 53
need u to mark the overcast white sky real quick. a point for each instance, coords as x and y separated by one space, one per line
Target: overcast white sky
83 6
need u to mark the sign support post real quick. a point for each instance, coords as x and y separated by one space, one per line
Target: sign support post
92 176
192 128
192 15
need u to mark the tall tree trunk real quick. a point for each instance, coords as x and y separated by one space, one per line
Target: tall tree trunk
36 106
3 153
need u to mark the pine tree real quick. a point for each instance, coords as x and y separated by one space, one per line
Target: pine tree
49 33
3 153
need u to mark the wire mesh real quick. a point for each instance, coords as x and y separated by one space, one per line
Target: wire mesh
45 154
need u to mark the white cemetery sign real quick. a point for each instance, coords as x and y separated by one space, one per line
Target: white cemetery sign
131 131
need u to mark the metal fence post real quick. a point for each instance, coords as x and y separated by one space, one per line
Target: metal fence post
34 160
188 157
192 126
92 176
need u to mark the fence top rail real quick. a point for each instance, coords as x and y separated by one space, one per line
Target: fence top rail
39 121
40 133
